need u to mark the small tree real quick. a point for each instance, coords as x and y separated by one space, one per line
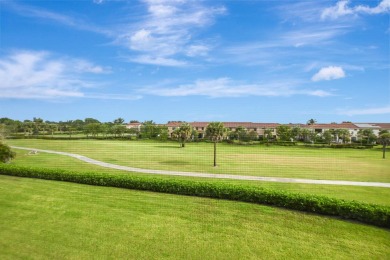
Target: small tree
3 132
5 153
215 131
119 121
252 135
185 131
311 121
327 136
384 139
268 134
52 128
283 132
296 132
241 133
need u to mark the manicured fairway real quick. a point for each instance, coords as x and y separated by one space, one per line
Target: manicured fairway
364 194
274 161
47 219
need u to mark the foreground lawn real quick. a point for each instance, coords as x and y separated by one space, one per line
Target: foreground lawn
364 194
275 161
47 219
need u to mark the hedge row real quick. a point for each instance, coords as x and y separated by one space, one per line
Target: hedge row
47 137
366 213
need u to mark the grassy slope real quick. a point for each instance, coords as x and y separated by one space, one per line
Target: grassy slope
364 194
275 161
46 219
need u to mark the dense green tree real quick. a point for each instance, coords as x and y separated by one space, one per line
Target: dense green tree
149 129
305 133
268 134
253 136
90 120
78 124
327 136
384 140
311 121
215 131
3 131
93 128
344 135
296 132
28 127
119 121
241 133
283 132
6 121
369 135
6 154
52 128
194 135
163 136
118 130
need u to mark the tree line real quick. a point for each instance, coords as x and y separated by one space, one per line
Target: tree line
89 127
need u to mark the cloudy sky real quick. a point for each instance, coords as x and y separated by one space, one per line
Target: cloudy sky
196 60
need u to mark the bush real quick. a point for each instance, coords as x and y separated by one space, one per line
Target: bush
366 213
5 153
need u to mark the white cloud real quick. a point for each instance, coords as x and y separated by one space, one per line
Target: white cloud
342 9
160 61
40 75
197 50
225 87
40 13
365 111
168 30
312 36
329 73
83 66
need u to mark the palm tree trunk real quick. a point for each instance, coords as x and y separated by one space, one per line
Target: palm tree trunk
215 154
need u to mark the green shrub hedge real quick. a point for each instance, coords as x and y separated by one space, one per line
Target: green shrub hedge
366 213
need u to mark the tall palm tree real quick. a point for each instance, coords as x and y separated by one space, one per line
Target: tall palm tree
215 131
185 131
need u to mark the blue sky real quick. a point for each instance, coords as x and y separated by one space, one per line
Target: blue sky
259 61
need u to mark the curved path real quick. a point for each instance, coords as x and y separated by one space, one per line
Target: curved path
210 175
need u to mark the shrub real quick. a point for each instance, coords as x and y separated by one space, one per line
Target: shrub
5 153
366 213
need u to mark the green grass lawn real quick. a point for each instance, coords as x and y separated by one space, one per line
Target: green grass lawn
363 194
275 161
48 219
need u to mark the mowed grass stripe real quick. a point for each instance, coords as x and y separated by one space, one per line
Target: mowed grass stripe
273 161
47 219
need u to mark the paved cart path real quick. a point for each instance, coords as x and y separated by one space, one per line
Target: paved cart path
209 175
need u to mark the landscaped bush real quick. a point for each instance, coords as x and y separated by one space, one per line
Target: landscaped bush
366 213
351 145
64 137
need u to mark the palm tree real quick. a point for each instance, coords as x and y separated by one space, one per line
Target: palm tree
311 121
215 131
185 131
384 139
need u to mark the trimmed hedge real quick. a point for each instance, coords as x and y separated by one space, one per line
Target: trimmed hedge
63 137
366 213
